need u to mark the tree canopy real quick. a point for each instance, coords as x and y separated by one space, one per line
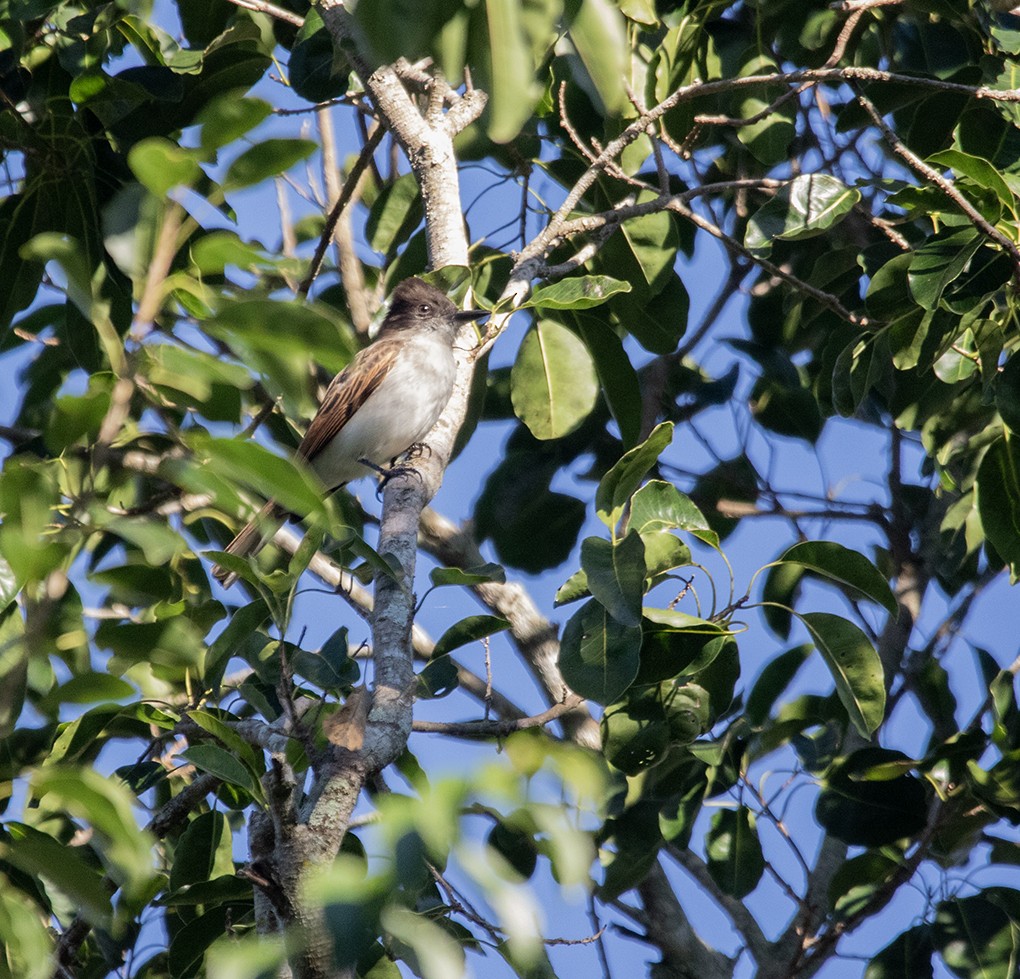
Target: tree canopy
752 683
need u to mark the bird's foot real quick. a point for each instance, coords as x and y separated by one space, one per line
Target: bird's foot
418 450
385 475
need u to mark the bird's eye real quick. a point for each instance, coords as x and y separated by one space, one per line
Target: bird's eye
424 309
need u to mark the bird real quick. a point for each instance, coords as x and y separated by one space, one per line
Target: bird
386 400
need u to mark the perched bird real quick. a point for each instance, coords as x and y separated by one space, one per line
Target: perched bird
384 401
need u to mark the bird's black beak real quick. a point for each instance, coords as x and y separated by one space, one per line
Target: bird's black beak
465 315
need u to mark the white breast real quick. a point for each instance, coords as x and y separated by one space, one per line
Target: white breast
401 411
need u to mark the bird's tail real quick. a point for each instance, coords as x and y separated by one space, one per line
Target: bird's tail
250 539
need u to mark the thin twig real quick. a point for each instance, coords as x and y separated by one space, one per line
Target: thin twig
374 139
946 186
264 7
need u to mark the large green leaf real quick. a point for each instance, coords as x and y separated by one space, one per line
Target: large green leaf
871 813
267 158
108 807
659 505
599 36
998 499
160 165
599 656
976 936
807 206
621 386
318 72
908 956
854 665
553 384
511 97
254 466
40 855
395 215
938 262
844 566
576 292
768 137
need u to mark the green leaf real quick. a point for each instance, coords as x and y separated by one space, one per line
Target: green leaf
769 138
516 846
625 477
656 321
467 577
599 656
908 956
576 292
940 261
227 118
635 735
40 855
573 589
976 937
242 624
395 215
598 34
865 813
317 70
998 499
553 385
437 679
513 85
807 206
980 171
256 467
231 739
161 165
615 574
859 881
774 678
216 761
621 386
28 942
108 807
844 566
203 852
735 858
854 665
468 630
268 158
659 505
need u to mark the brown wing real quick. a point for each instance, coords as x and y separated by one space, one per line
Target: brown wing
347 392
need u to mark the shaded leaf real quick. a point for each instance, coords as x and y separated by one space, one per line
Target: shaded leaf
615 574
599 656
468 630
735 858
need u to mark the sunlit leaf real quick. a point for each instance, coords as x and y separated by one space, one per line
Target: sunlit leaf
553 384
845 566
808 206
625 477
